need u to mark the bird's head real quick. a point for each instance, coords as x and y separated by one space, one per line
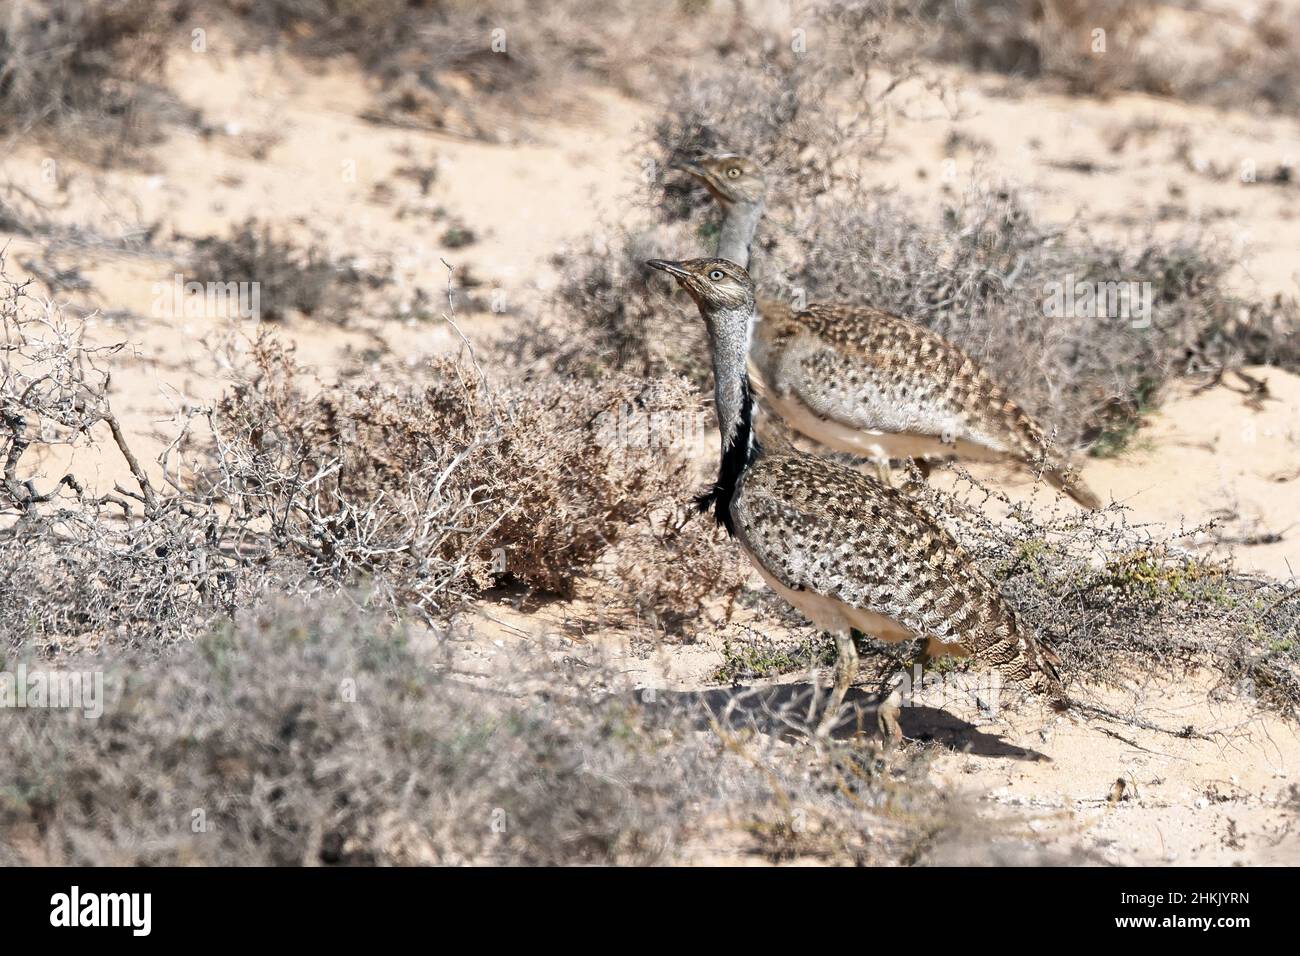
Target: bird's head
716 285
732 179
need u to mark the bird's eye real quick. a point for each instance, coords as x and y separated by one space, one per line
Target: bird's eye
733 172
716 275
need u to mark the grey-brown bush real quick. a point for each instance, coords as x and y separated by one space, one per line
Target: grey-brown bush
89 69
140 561
316 734
445 487
810 109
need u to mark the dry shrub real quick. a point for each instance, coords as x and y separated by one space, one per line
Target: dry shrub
82 574
86 69
1222 58
291 278
812 117
433 492
254 727
1121 602
139 562
312 733
480 68
441 489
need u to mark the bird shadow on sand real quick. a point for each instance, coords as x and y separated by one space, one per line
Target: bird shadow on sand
782 710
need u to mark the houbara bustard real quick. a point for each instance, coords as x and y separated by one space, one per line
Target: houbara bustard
843 548
860 380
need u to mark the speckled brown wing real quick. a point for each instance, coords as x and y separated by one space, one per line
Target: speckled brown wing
869 370
817 526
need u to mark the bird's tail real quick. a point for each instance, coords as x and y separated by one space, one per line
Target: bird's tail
1022 660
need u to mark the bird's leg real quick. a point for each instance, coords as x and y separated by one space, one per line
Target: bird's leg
921 660
891 699
883 471
846 669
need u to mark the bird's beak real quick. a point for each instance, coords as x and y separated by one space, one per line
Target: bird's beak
693 169
672 268
707 179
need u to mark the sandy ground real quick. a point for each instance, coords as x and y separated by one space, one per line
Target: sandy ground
287 145
1229 794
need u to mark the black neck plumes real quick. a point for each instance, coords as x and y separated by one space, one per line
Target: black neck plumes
736 457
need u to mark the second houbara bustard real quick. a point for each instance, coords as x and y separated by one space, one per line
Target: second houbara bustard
861 380
843 548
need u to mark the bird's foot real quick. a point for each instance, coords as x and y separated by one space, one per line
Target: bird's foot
888 709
